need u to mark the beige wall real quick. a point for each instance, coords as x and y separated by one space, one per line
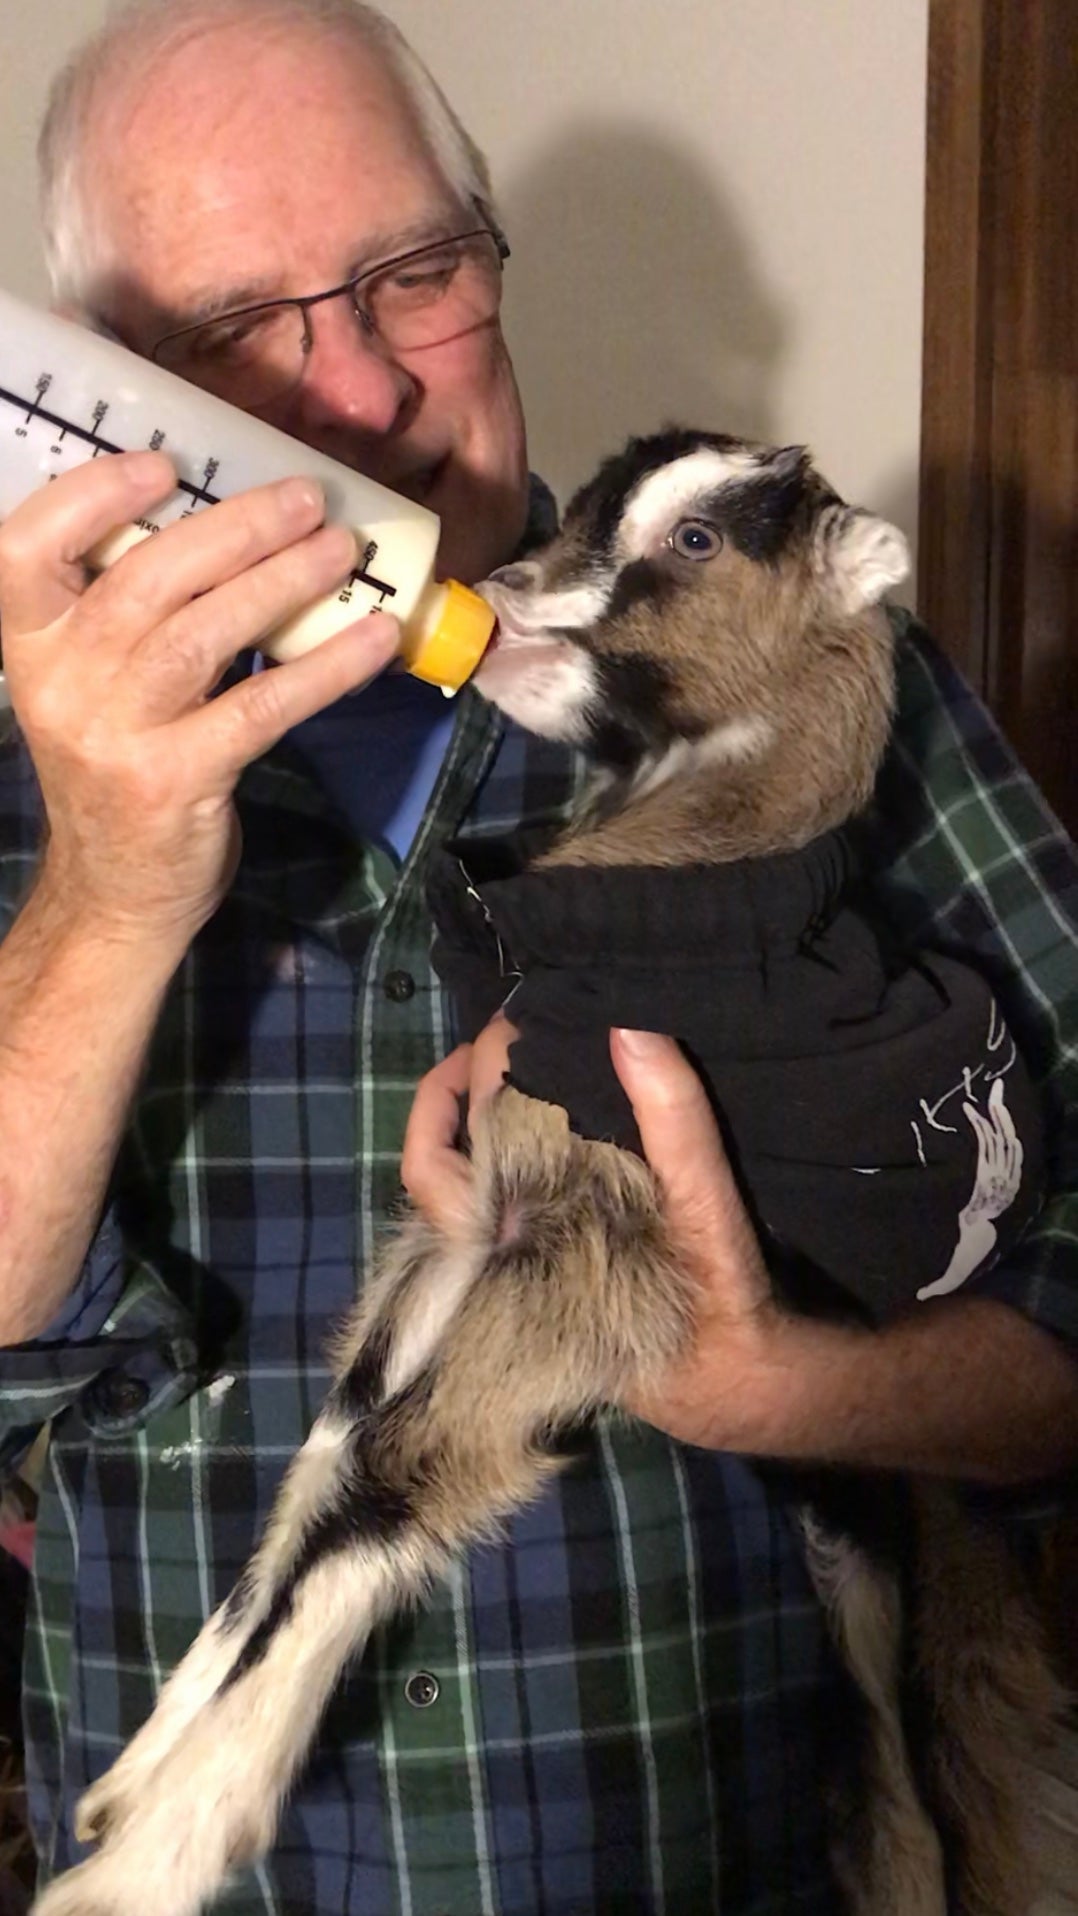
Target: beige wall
715 208
35 38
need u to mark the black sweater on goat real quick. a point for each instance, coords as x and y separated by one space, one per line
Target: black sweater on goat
880 1120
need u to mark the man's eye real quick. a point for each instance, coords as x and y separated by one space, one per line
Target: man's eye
426 276
232 336
695 539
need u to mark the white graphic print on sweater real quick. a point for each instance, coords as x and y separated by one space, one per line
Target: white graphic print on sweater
998 1175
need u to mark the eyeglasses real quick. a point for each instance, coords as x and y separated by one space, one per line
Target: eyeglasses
257 354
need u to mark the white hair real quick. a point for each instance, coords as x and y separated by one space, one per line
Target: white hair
140 36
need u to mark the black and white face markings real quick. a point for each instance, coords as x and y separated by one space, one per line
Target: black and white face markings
596 633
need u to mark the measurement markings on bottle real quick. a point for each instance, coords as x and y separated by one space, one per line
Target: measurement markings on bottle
361 575
92 436
31 410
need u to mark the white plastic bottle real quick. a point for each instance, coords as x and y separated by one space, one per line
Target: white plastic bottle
67 394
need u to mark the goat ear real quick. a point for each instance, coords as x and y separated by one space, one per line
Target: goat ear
858 556
787 461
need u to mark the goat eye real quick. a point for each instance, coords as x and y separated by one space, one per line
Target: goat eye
695 539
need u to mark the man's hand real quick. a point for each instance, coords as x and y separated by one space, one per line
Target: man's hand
708 1398
963 1387
717 1397
720 1395
434 1171
110 680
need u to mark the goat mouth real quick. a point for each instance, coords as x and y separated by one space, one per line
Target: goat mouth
509 629
513 658
510 636
516 648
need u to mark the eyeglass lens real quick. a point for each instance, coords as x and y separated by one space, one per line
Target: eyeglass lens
432 296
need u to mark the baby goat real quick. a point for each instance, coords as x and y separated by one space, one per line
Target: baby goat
707 628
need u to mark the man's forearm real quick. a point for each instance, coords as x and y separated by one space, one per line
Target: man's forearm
964 1389
76 1013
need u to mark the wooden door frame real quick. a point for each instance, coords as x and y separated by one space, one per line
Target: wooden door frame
954 517
999 420
998 572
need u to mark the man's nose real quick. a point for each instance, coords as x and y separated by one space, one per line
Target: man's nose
349 378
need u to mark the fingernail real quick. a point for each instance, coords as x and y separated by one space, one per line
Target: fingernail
144 464
300 495
384 631
640 1044
340 546
380 625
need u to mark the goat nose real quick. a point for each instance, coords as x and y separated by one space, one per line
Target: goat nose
516 578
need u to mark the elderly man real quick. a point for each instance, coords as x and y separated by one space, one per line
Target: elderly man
217 1002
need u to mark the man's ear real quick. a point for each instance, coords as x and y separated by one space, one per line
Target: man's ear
858 557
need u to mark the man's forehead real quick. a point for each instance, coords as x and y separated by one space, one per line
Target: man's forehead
230 84
238 179
231 48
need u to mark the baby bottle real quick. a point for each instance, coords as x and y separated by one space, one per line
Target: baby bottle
67 394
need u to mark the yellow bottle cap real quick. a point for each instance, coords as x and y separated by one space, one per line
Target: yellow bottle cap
455 639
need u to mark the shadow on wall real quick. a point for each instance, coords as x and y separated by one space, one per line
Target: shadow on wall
633 298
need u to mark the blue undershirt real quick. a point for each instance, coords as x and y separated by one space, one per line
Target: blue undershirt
377 753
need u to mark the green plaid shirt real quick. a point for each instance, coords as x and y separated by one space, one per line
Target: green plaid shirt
630 1690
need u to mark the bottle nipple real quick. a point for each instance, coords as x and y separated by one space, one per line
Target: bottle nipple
447 636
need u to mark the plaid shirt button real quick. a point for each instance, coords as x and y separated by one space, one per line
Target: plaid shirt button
117 1396
422 1689
399 986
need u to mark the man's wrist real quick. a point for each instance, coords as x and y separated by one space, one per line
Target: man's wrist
805 1394
63 921
966 1389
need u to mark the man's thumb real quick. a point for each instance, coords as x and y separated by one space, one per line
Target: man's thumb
684 1149
677 1125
